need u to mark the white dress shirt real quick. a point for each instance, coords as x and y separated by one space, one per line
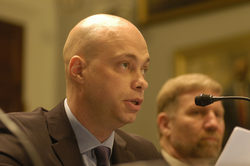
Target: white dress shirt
171 160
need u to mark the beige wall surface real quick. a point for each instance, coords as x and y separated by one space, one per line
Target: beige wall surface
40 62
165 38
47 24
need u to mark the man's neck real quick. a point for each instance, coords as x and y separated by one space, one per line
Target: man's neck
172 155
199 162
93 125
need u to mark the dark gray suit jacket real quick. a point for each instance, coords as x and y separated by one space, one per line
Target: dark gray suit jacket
53 138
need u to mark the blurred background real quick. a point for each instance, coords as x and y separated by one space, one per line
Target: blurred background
204 36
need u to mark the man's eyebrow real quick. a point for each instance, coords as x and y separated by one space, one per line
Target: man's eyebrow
135 58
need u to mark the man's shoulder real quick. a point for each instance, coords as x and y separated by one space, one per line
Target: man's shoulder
37 115
136 144
35 112
29 118
129 147
31 124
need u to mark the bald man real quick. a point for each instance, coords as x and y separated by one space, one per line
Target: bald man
106 59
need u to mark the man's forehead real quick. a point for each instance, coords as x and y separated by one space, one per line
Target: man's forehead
187 100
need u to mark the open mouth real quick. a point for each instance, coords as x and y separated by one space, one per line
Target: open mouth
135 102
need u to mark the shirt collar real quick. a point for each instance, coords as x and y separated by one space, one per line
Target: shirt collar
86 140
171 160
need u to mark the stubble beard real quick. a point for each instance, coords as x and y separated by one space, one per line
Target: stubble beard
202 150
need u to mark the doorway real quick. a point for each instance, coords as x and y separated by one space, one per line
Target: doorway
11 40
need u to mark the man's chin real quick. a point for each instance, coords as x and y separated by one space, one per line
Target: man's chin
209 152
127 120
131 120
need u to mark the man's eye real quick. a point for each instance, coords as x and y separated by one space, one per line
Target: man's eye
144 71
196 112
124 65
219 114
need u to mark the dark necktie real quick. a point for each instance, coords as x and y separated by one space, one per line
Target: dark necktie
102 155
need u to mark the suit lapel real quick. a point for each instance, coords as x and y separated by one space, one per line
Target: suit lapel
68 153
120 154
63 138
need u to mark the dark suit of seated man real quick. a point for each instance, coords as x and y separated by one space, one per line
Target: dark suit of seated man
106 59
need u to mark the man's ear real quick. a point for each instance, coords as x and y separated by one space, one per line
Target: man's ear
76 66
163 123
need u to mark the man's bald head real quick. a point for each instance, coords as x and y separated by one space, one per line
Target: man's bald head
84 38
92 36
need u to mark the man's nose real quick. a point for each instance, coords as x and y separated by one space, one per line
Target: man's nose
211 121
139 83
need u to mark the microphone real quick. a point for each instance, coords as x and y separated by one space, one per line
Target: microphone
204 99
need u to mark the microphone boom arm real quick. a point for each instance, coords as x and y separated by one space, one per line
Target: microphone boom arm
231 97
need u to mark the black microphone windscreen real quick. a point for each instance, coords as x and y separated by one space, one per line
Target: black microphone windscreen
203 100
